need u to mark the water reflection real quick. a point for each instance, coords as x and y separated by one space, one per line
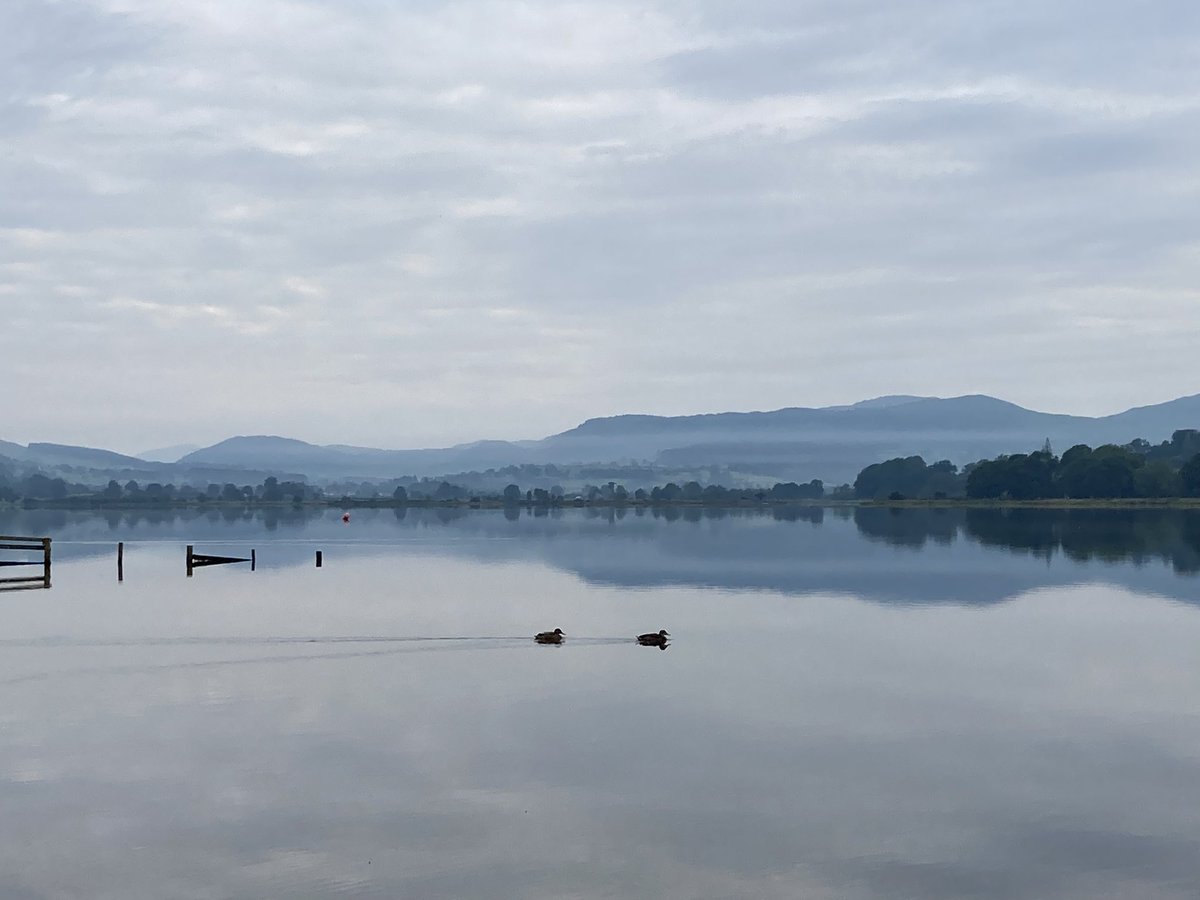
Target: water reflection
33 584
883 554
385 726
1139 536
1111 535
908 527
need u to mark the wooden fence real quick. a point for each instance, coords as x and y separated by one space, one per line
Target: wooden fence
35 545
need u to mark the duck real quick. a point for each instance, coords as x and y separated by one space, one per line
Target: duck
654 639
550 637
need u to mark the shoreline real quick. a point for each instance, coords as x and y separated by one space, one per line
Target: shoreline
345 503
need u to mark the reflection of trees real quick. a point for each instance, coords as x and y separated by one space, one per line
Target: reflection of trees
704 545
1140 536
690 514
1118 535
52 520
1190 536
1033 531
1109 535
813 514
907 527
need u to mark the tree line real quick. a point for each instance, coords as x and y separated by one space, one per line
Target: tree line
1136 470
37 486
40 488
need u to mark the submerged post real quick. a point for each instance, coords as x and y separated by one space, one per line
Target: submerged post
120 561
46 561
318 559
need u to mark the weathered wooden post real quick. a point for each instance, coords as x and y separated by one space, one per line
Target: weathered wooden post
318 559
190 554
46 561
253 559
120 561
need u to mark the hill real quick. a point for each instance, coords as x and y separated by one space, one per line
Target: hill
832 443
795 443
342 461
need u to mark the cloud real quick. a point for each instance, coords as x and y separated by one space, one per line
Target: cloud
588 207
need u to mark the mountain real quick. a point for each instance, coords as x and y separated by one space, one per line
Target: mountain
90 465
69 456
83 457
1158 420
342 461
883 402
834 443
797 443
251 450
918 425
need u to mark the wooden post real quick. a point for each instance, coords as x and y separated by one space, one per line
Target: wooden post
253 559
189 560
318 559
120 561
46 560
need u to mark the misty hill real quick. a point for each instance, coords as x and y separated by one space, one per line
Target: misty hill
834 443
66 455
341 461
800 443
1144 420
882 402
75 460
92 466
84 457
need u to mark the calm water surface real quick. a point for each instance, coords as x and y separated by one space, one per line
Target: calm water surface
872 705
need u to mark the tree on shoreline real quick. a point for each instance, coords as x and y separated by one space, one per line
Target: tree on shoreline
901 478
1107 472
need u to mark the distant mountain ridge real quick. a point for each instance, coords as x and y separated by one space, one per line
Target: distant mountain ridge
340 460
68 455
882 402
831 443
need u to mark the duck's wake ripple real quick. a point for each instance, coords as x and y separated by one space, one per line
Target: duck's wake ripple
238 641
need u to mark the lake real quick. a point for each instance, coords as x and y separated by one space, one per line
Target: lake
855 704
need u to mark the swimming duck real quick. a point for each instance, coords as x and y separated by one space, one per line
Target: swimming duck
654 639
550 637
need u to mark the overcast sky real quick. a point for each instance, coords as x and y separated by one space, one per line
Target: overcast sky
417 223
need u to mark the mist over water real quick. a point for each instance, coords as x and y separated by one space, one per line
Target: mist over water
855 704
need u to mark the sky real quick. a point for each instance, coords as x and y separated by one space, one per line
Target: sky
406 224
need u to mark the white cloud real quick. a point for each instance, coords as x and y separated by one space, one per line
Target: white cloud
535 212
